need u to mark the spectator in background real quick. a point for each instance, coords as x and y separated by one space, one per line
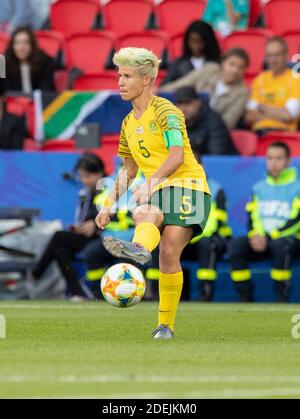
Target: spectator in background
200 47
27 67
65 244
15 13
207 132
227 15
275 95
225 85
274 221
12 129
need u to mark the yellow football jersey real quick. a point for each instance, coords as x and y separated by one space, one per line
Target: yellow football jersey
143 140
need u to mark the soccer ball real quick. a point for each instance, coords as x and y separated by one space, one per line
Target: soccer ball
123 285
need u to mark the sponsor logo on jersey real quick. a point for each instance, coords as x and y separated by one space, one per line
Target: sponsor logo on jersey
153 127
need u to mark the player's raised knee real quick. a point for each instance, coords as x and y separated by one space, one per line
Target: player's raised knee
148 213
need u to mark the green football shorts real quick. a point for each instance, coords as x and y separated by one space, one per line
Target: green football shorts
183 207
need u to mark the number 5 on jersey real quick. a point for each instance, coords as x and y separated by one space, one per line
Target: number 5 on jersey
145 152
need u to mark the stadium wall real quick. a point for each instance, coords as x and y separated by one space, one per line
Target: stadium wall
35 180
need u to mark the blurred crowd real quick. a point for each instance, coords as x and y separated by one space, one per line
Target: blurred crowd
225 103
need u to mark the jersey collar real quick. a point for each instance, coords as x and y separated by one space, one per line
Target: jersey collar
287 176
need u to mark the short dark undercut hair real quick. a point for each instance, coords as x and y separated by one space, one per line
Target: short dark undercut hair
237 52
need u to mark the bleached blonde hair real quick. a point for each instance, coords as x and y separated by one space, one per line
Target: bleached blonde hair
145 61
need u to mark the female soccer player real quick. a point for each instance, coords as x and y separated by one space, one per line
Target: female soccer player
174 203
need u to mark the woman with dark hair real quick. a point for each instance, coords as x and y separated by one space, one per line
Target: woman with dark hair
200 46
27 67
65 244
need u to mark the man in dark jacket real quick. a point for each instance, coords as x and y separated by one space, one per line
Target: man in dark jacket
207 132
12 129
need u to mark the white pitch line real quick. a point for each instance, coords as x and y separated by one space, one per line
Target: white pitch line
49 306
214 394
248 394
192 307
73 379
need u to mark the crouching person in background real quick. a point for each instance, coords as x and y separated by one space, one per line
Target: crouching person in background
64 245
274 221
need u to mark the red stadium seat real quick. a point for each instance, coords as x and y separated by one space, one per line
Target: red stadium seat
256 11
174 16
154 40
293 40
106 152
89 52
61 80
58 145
73 16
282 15
30 145
97 82
17 105
3 42
160 77
289 138
124 16
22 106
110 139
30 118
249 78
245 142
106 81
176 46
253 41
50 42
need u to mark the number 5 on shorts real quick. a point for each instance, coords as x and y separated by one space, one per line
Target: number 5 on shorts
186 205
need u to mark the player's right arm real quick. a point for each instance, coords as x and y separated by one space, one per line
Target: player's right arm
124 179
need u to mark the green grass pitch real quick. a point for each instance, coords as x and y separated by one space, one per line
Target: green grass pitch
59 349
